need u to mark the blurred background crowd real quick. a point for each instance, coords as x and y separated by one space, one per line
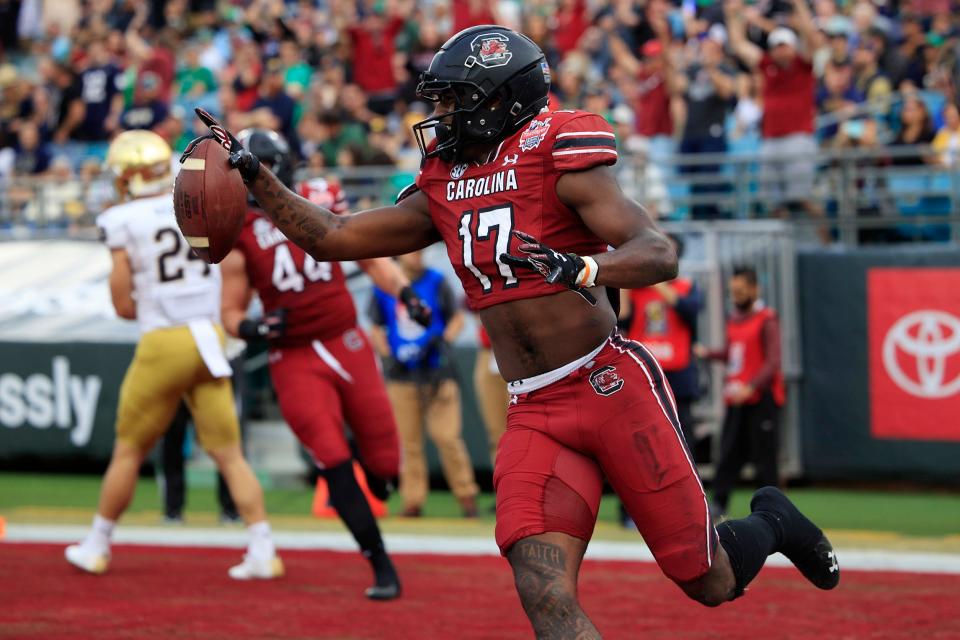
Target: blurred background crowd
780 79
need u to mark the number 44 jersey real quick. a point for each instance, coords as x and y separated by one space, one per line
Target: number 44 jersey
476 206
315 295
171 285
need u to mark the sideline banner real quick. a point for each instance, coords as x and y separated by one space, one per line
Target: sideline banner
880 336
59 400
914 330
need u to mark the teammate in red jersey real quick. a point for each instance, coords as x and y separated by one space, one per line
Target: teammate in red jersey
322 366
527 205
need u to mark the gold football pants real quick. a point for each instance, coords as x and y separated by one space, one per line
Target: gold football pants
166 368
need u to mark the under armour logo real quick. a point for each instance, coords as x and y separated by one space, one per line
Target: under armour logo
834 565
510 159
513 400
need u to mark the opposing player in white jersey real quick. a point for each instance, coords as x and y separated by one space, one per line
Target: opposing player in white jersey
175 298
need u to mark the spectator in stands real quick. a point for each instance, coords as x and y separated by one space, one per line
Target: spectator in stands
869 78
707 86
296 72
193 79
243 75
947 141
889 59
753 391
570 21
33 157
274 108
651 100
837 97
65 104
912 46
916 129
336 132
372 56
422 386
99 96
650 95
148 110
789 147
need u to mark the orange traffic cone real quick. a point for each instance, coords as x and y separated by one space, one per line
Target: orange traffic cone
321 497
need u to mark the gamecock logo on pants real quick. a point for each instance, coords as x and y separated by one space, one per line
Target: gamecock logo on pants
606 381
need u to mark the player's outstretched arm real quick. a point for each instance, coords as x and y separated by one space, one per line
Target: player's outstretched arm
388 231
642 254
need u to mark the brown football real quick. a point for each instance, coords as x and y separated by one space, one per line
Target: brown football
210 201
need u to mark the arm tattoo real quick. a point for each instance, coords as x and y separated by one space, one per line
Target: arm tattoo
303 222
548 595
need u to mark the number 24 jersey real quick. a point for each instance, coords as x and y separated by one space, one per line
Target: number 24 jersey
476 207
171 285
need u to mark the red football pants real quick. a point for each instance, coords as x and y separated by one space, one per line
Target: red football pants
323 384
615 417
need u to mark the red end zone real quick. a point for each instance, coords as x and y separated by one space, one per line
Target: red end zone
161 592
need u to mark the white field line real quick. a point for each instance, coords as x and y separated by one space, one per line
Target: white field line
862 559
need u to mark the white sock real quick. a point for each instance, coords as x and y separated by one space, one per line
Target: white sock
100 533
261 543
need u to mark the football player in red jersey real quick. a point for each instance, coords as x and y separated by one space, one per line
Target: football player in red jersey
527 204
323 368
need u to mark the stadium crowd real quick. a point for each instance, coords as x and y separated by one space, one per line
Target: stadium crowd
338 79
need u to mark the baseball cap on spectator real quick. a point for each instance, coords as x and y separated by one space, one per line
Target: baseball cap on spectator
782 36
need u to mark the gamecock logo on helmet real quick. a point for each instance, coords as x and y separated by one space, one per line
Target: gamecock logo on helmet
490 50
606 381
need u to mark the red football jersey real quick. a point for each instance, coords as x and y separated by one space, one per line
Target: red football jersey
315 295
476 206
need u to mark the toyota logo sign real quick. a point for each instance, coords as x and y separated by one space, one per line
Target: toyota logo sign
917 350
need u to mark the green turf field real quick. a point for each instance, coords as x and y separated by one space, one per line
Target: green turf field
913 513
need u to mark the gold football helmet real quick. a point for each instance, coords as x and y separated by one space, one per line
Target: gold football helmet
141 163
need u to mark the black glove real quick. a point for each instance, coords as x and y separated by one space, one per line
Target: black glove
555 267
416 309
269 327
240 159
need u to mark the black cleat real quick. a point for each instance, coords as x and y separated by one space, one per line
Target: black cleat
801 541
387 582
383 592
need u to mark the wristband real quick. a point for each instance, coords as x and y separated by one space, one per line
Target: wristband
252 329
588 275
